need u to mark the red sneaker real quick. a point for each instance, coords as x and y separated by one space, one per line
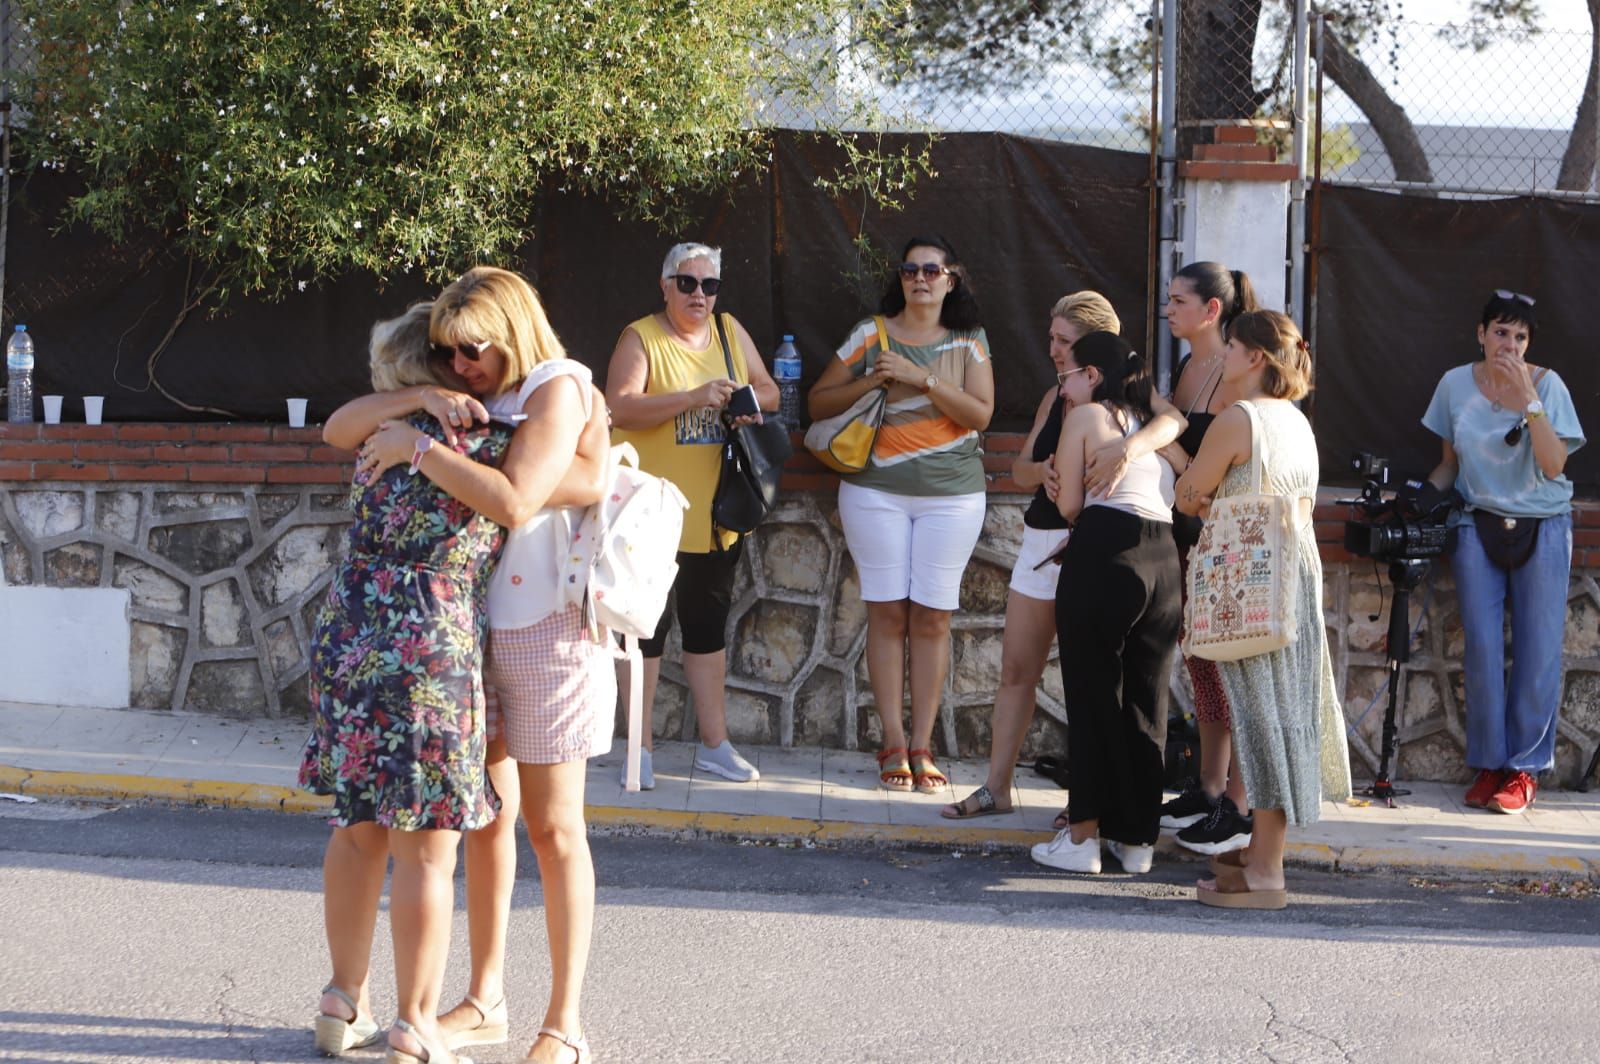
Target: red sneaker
1484 787
1516 794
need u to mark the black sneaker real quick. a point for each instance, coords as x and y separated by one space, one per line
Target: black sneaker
1222 830
1188 807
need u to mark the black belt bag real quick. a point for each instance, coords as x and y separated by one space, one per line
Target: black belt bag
1508 541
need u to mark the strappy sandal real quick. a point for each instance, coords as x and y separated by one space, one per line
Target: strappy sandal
335 1035
897 777
578 1045
930 780
985 806
492 1029
400 1056
1062 822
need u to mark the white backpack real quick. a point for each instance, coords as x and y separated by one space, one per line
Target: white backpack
621 566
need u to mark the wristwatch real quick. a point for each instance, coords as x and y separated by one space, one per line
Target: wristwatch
1534 410
424 445
928 382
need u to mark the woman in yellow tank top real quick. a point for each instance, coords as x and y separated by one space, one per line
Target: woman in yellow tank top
667 385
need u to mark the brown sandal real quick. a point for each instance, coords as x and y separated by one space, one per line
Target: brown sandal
982 803
930 780
1061 823
1230 890
896 777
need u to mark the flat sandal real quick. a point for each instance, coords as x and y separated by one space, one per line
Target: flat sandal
930 780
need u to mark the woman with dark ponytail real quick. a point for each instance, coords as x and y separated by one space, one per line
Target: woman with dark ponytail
1117 614
1211 815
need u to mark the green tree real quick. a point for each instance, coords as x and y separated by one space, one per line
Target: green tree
278 142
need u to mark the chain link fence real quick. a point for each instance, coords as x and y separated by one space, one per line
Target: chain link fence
1074 73
1461 109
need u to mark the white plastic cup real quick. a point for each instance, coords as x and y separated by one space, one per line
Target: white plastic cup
93 407
52 409
297 413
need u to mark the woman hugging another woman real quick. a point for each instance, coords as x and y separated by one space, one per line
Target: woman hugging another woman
1117 615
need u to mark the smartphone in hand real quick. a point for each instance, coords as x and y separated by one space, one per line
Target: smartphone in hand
742 403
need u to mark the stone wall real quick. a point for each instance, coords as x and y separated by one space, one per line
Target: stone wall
225 579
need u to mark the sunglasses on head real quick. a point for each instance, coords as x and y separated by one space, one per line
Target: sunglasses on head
930 270
469 351
1508 295
688 282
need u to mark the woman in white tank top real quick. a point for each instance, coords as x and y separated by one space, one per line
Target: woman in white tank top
1117 615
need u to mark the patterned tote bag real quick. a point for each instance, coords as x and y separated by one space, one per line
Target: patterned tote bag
1242 581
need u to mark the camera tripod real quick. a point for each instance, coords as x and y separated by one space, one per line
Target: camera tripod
1404 576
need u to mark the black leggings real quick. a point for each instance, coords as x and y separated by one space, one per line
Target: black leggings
1117 617
702 594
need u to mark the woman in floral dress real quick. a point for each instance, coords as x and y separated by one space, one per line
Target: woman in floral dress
399 740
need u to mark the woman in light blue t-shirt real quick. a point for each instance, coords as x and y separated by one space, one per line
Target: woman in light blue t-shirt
1508 427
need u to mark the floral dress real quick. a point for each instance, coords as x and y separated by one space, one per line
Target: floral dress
396 660
1288 727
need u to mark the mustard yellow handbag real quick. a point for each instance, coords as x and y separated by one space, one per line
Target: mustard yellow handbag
844 441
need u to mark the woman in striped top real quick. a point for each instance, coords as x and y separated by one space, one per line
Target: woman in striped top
912 517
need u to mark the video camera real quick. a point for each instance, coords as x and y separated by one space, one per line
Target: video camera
1411 524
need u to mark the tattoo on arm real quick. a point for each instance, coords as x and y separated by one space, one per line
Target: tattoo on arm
1189 493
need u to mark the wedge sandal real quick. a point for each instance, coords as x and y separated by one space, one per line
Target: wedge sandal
335 1035
493 1027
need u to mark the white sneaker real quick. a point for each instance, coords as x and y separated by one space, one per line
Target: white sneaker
1061 852
1134 859
647 772
725 761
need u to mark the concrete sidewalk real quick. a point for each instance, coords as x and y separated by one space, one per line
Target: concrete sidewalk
820 796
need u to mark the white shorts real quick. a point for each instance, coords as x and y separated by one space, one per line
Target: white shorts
910 546
1037 545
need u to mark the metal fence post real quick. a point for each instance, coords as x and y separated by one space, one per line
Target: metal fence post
1168 217
5 142
1295 289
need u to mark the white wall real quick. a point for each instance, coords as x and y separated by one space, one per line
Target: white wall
65 646
1244 225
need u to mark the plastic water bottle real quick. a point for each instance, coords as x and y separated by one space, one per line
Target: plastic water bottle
786 371
19 376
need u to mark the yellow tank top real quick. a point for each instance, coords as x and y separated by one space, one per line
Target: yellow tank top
687 449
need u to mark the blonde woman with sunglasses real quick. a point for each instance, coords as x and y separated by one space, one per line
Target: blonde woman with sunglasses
493 333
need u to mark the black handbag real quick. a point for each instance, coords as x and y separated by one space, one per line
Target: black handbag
1508 541
753 457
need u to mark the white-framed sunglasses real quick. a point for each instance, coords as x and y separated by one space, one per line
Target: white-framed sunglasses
1508 295
1061 378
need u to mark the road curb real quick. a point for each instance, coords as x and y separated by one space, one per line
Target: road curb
39 783
1472 864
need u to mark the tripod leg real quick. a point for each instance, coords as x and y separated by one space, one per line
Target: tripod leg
1588 773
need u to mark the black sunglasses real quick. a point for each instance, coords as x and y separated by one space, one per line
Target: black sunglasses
688 282
930 270
469 351
1508 295
1514 435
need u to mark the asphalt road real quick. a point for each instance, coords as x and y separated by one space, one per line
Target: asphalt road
159 934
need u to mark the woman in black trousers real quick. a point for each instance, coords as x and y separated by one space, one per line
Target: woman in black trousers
1117 615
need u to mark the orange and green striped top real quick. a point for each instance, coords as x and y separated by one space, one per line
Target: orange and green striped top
920 451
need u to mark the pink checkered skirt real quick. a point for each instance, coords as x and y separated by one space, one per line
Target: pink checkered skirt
548 686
